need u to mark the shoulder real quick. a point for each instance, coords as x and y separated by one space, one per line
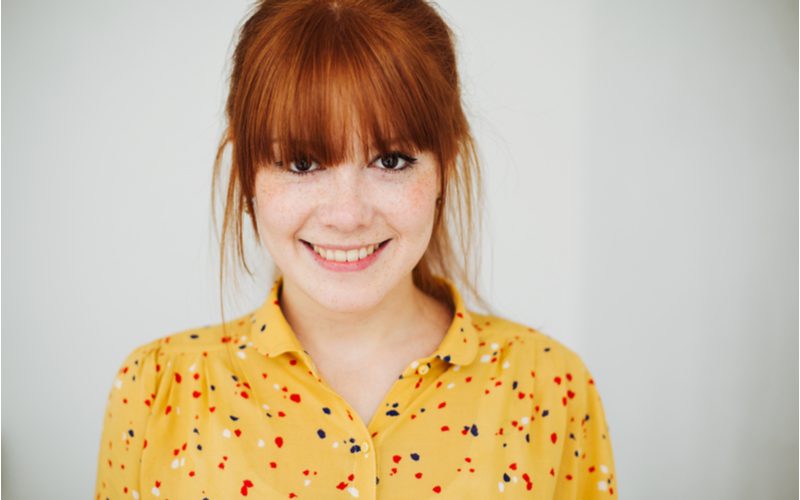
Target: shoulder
205 338
526 343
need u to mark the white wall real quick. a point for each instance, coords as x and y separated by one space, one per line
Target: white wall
641 163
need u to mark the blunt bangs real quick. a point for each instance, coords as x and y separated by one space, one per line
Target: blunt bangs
337 79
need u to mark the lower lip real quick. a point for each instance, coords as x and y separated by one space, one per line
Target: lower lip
347 266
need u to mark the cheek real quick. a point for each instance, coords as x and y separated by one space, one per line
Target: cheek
413 207
278 210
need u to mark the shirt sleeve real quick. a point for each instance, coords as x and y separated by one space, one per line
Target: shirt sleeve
123 435
590 465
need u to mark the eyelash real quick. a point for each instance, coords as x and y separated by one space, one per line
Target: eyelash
410 161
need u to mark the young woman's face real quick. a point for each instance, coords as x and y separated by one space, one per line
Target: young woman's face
371 218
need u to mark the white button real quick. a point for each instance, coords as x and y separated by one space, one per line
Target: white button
365 446
423 369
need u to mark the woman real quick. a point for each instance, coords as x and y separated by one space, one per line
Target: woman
362 375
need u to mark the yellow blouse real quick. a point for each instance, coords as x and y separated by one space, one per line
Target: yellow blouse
499 410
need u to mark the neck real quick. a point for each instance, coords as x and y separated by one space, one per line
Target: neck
355 335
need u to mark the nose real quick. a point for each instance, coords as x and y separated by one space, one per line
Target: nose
346 207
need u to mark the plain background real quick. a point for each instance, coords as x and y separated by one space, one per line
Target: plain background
641 164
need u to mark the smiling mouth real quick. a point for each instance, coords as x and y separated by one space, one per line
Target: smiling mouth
350 255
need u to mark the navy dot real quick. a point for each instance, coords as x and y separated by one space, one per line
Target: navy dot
415 456
263 327
130 432
546 349
545 413
194 336
200 447
213 388
392 413
514 385
527 438
355 448
447 358
505 477
321 433
474 430
235 378
234 418
326 410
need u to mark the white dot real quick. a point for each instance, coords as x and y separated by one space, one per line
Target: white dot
226 433
353 491
175 463
603 469
193 367
415 364
525 420
602 486
155 491
451 385
135 494
501 486
118 383
241 354
486 358
260 443
494 346
306 482
506 365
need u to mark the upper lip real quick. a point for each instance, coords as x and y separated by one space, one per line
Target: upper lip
344 247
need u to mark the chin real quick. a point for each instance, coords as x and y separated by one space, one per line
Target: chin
342 300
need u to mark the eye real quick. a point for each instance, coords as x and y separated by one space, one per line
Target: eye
300 166
394 161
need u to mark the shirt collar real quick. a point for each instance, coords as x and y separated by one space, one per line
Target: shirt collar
272 335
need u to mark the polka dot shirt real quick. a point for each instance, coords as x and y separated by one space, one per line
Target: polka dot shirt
499 410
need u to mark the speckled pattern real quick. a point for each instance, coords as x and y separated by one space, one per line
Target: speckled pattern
499 410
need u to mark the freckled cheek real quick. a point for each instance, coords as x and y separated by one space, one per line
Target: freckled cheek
412 209
280 214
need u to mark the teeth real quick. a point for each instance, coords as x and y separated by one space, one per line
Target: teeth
345 255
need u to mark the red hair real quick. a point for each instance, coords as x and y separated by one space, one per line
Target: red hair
309 74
